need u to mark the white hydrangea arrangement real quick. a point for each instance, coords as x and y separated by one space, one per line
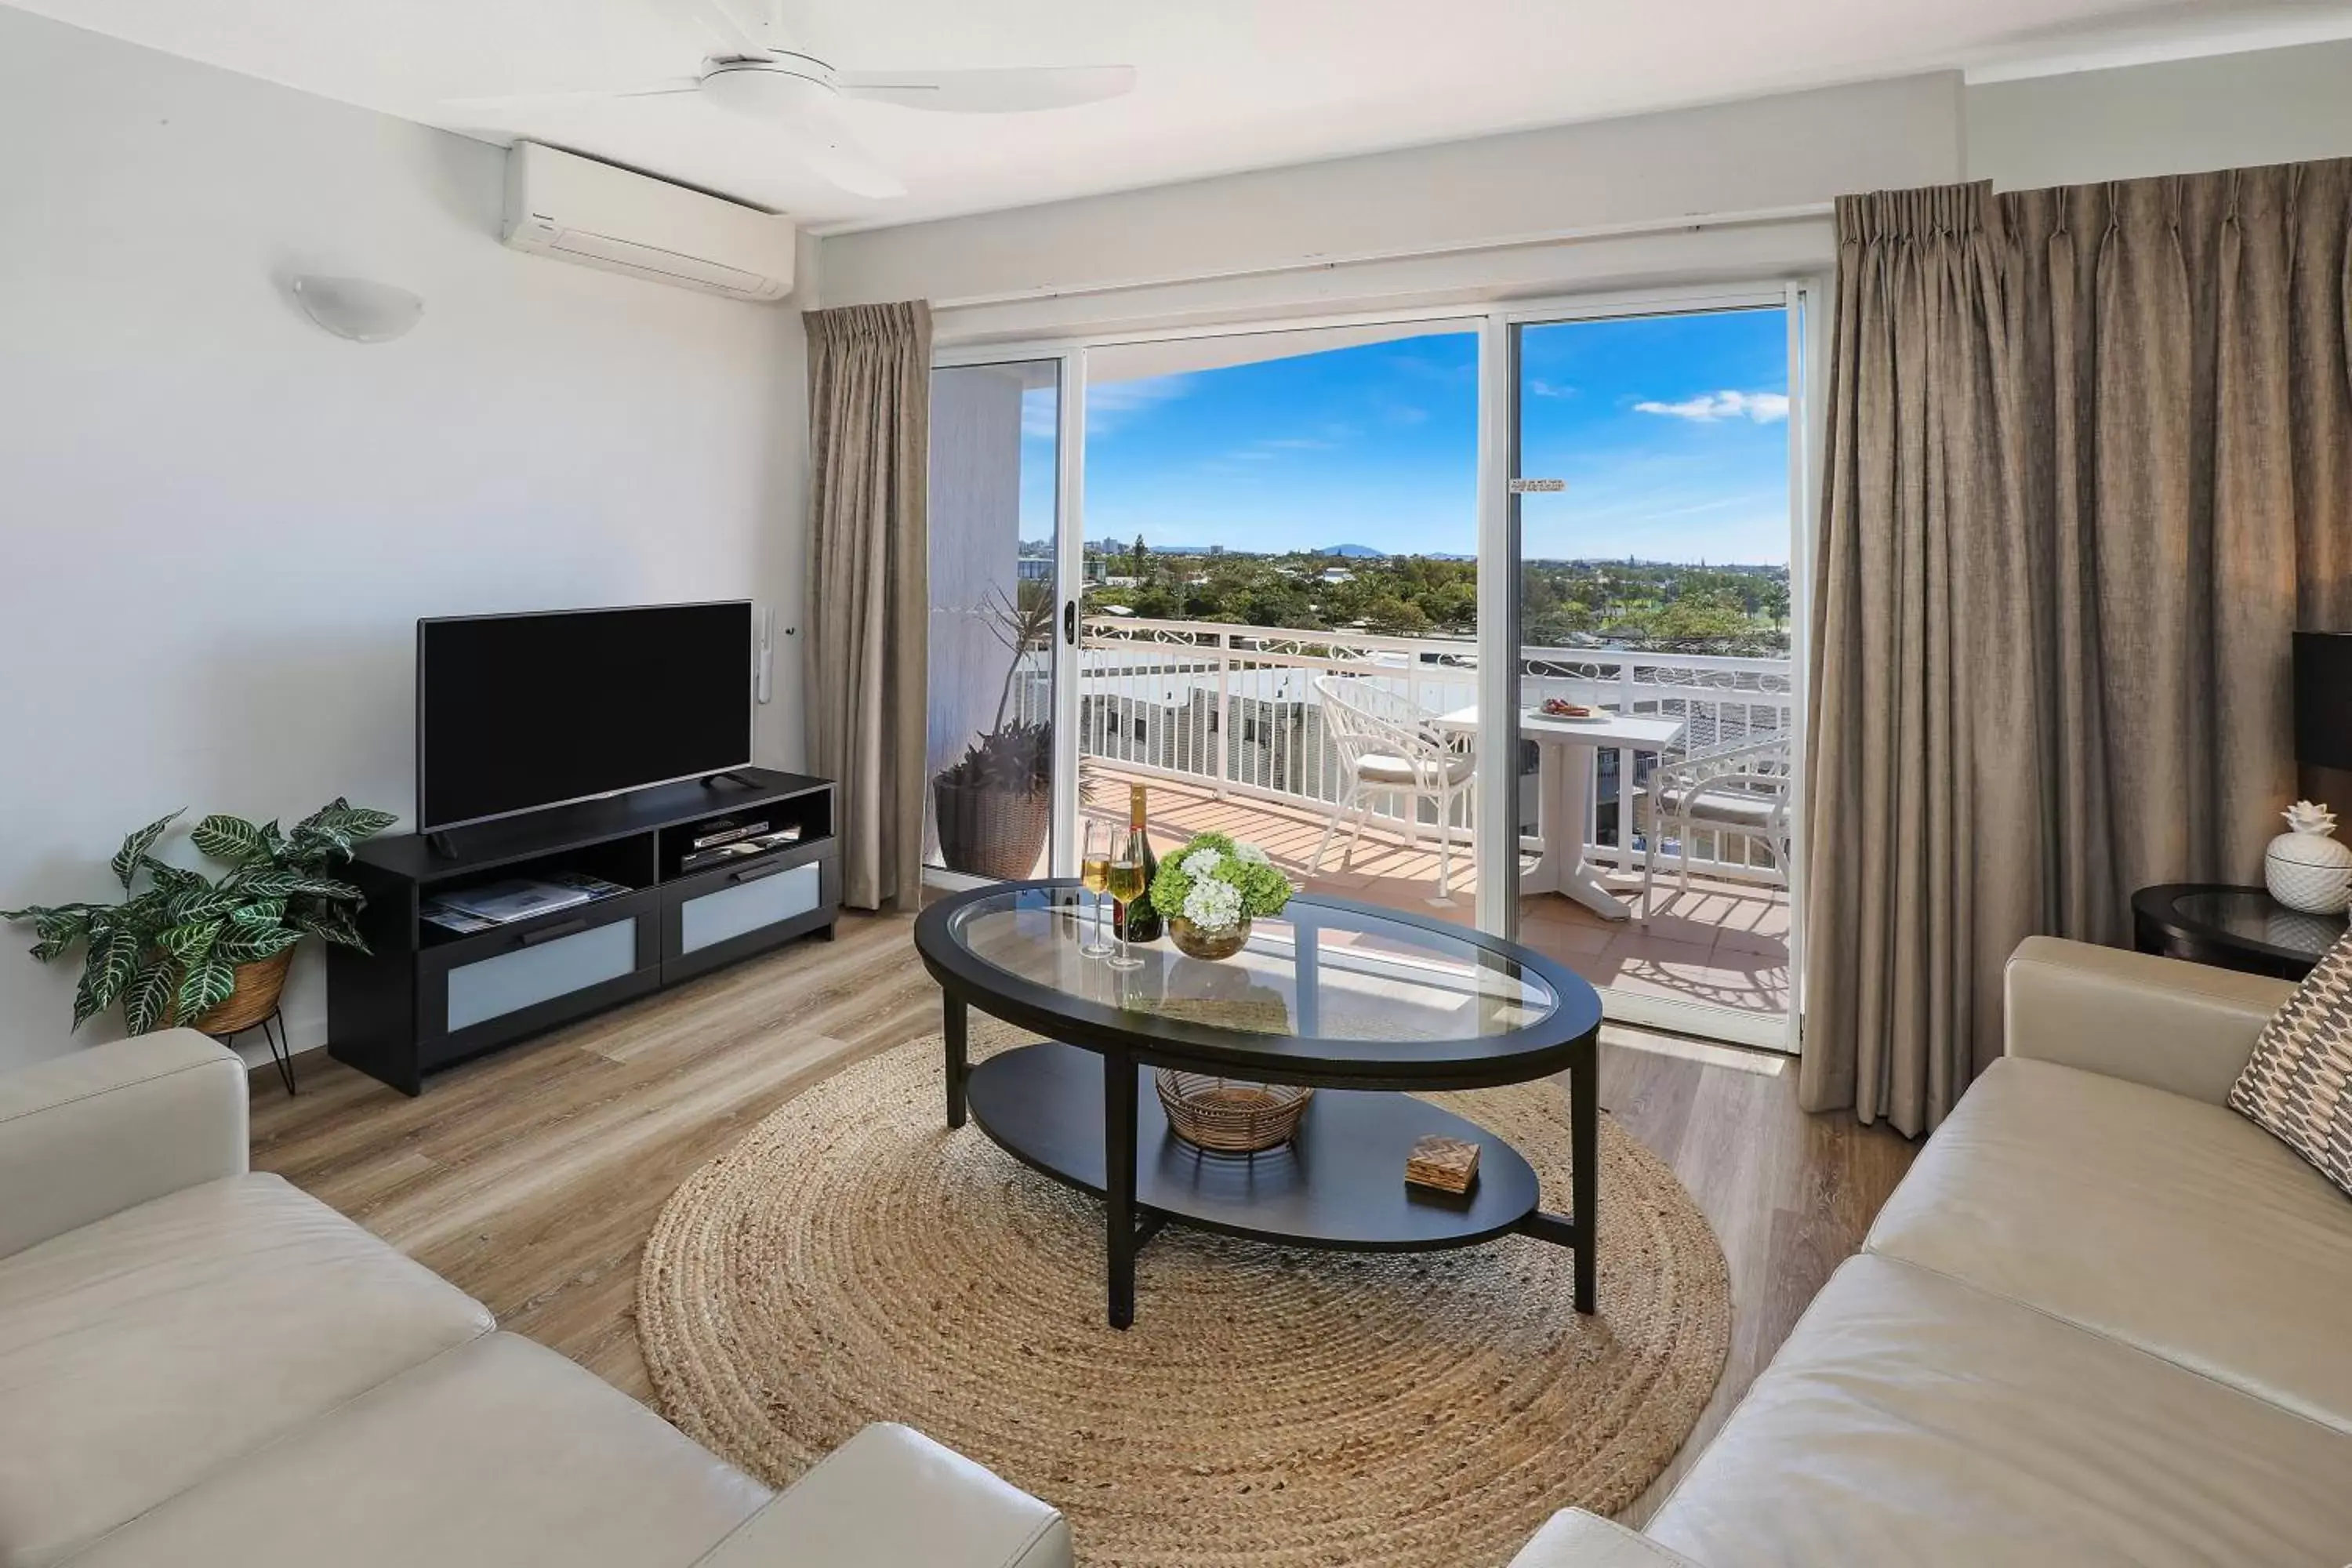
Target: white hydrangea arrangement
1213 882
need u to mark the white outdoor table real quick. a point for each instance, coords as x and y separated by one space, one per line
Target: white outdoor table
1570 748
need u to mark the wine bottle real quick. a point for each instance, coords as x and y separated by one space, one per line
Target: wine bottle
1138 921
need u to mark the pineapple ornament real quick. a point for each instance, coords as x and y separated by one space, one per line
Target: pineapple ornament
2304 867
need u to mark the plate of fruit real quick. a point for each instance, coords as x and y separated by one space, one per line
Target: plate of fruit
1562 707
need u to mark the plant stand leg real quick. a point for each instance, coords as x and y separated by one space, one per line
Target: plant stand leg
273 1029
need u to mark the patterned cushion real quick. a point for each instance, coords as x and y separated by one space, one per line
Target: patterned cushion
2298 1083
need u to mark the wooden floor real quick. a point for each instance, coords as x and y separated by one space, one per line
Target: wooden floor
531 1179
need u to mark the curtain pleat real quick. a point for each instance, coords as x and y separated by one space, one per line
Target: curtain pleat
869 370
2090 464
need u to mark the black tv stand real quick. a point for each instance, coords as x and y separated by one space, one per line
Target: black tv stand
425 996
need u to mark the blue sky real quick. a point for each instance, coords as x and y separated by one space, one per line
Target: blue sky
1671 433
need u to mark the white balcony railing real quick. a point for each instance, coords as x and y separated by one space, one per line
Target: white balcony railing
1234 707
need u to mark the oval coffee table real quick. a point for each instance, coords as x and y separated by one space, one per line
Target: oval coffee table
1362 1003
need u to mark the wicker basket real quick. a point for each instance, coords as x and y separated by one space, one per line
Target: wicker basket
990 832
254 998
1228 1116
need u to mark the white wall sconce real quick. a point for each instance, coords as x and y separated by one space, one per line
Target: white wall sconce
357 309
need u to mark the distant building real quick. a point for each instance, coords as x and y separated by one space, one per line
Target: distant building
1040 569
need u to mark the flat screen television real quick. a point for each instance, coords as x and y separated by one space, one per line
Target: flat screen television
517 712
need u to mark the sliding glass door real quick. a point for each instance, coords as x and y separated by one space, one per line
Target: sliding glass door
1652 492
1280 609
1314 586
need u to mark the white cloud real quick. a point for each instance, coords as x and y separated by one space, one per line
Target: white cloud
1109 405
1543 388
1041 417
1763 407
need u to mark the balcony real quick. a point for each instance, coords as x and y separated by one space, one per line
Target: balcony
1226 724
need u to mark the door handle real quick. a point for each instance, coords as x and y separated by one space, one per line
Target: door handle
1070 622
753 873
549 933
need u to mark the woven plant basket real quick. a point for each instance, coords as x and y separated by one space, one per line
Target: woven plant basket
987 832
254 998
1226 1116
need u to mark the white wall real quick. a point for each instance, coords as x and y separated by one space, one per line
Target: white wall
2228 111
1364 230
1480 220
219 525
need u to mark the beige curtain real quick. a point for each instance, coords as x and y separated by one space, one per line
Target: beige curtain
869 369
2089 463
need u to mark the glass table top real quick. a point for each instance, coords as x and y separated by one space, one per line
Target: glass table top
2247 916
1317 971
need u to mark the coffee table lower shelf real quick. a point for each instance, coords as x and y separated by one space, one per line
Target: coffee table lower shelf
1339 1184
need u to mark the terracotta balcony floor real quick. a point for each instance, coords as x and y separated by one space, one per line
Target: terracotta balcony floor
1721 944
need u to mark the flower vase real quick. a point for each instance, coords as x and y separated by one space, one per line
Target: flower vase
1195 943
2305 867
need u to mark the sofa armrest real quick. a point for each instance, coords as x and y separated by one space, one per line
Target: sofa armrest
93 1132
891 1498
1575 1539
2184 1027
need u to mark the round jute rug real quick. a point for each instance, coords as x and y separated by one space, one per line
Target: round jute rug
852 1260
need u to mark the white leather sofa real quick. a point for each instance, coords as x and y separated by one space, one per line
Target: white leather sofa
202 1366
2103 1320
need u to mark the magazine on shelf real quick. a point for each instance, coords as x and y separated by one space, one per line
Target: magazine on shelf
516 899
437 913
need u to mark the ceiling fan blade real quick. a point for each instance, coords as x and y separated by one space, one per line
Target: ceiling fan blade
831 153
738 36
558 99
1010 91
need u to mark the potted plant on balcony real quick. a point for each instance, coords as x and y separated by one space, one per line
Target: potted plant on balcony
209 952
995 803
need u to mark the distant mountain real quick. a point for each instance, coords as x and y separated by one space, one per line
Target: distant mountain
1353 551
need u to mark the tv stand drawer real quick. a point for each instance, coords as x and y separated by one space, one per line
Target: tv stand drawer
716 917
501 984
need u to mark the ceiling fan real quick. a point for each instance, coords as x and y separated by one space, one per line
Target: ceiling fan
756 75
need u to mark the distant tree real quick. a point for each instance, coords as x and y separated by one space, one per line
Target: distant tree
1392 616
1452 604
1773 602
1141 558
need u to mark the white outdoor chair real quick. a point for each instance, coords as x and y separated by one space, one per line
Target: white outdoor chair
1387 746
1737 791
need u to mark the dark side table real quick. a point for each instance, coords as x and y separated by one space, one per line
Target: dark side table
2231 928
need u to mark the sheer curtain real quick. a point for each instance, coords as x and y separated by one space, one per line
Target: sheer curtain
2089 464
869 370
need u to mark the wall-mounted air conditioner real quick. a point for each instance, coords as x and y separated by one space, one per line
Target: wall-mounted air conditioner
576 210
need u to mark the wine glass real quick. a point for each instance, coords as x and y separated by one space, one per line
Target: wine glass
1094 873
1123 879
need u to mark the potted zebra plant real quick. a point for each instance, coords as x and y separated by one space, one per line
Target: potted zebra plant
209 951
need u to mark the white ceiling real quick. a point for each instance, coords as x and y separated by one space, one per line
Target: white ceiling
1223 85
